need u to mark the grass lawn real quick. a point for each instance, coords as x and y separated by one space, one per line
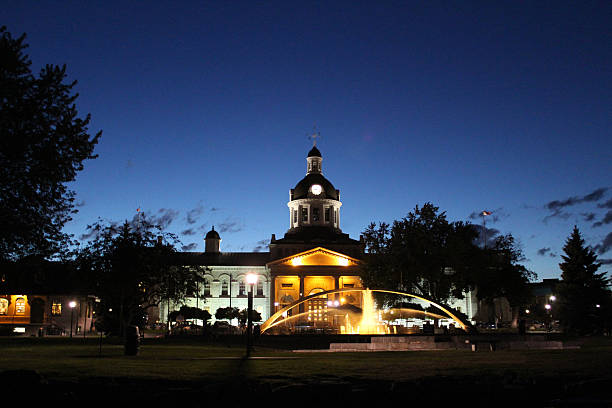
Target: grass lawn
61 360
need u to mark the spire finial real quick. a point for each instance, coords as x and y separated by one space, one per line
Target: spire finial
315 135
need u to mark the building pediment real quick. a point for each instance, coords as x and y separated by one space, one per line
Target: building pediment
316 257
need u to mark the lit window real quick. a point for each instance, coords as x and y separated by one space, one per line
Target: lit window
20 306
4 304
259 288
241 288
206 287
304 214
56 309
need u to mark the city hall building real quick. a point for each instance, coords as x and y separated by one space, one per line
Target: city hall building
313 256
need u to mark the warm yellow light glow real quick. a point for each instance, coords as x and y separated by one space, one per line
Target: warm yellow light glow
343 261
342 300
296 261
272 321
72 304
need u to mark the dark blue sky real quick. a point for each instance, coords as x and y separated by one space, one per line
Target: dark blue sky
205 107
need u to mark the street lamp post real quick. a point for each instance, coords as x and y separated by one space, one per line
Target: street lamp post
72 305
251 279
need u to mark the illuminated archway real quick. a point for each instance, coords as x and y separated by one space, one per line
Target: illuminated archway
272 320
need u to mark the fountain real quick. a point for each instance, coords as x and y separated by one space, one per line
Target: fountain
369 321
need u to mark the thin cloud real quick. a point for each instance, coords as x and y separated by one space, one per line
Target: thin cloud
605 261
546 251
557 213
230 226
189 247
261 245
164 217
193 215
607 219
607 204
605 244
189 232
80 203
588 216
596 195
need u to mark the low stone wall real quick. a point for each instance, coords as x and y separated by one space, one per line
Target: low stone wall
468 343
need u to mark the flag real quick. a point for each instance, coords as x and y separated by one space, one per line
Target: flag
486 213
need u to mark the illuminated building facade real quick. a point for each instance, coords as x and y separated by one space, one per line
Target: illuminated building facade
313 256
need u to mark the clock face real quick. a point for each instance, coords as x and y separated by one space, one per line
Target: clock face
316 189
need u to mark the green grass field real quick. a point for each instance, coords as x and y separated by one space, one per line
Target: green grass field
194 364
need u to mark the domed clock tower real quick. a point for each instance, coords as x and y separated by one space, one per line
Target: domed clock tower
314 255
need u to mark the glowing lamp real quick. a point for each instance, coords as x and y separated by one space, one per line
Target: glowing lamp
330 303
251 278
547 306
527 311
336 303
597 305
553 298
72 304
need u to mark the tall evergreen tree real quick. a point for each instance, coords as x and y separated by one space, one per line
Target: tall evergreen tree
584 296
43 143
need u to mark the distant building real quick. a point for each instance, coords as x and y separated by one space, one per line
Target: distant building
36 298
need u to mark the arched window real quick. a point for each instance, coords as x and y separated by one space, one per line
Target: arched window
20 306
241 288
206 287
4 304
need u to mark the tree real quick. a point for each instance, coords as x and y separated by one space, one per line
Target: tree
190 313
422 253
584 296
243 316
133 268
500 275
43 144
228 313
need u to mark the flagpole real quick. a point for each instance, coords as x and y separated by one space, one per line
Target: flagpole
484 213
484 230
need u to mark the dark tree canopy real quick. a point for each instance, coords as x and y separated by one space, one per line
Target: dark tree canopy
131 269
43 144
227 313
425 254
422 253
584 296
243 316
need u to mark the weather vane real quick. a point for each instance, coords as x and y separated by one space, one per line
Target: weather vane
315 135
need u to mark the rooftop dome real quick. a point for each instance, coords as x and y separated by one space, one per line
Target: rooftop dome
314 152
302 188
212 234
